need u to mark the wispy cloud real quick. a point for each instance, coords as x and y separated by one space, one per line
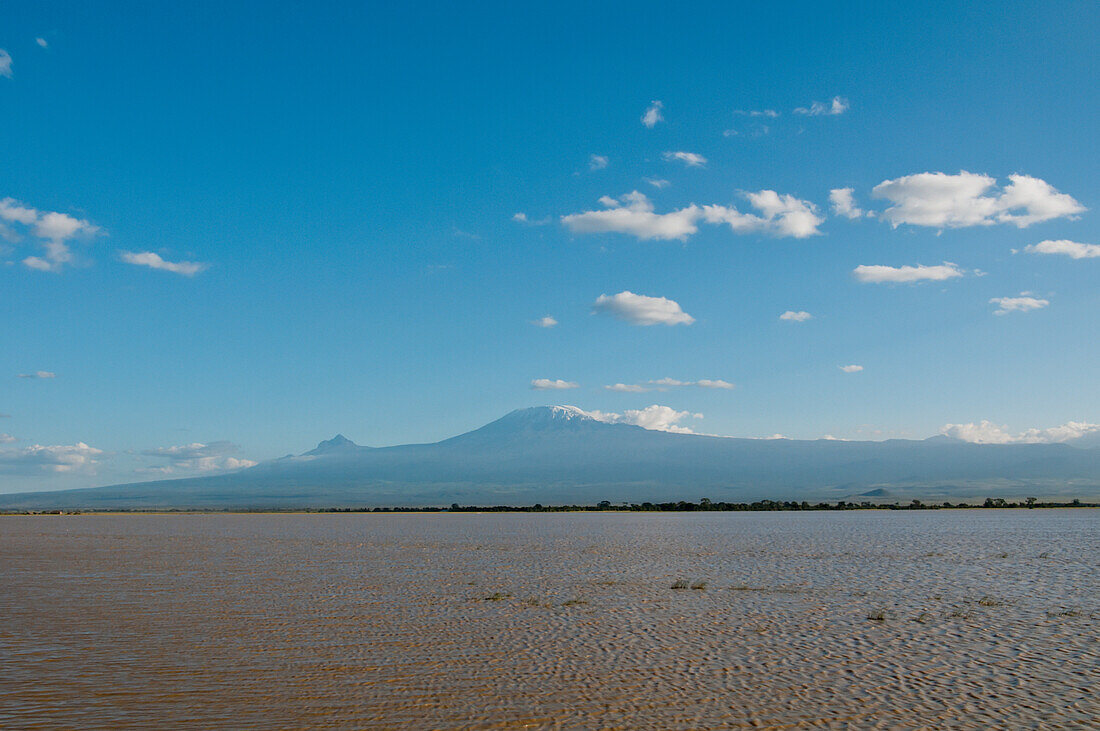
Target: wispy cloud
690 159
879 273
200 457
550 384
638 309
1064 247
653 114
597 162
5 63
6 438
770 113
939 200
154 261
664 384
37 374
1024 303
658 183
851 368
546 321
838 105
799 316
41 42
986 432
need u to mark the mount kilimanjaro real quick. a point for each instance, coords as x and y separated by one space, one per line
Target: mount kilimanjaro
562 455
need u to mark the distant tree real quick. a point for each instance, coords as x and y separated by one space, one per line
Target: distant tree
603 504
1031 502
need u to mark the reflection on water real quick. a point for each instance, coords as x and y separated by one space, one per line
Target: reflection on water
934 619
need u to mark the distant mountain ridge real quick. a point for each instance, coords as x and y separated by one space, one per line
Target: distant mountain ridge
561 454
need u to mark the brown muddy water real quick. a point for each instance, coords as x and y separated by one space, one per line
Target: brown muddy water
956 619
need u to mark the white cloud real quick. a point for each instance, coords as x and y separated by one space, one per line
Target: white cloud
628 388
715 383
655 418
783 215
154 261
844 203
215 456
77 457
597 162
7 438
986 432
657 183
41 42
5 63
1023 303
792 316
521 217
547 384
877 273
771 113
638 309
653 114
838 105
633 214
37 374
546 321
54 228
690 159
851 368
940 200
1065 247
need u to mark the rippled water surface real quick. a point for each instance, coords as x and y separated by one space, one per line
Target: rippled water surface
864 619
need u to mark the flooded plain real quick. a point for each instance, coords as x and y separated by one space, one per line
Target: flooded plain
868 619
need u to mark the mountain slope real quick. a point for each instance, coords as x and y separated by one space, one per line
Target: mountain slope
561 454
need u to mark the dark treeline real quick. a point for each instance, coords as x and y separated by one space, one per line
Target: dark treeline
681 506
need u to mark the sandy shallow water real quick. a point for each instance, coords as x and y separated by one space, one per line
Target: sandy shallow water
868 619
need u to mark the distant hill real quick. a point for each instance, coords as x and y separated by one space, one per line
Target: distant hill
560 454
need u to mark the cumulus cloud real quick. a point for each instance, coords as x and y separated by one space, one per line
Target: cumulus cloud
844 203
628 388
546 321
547 384
838 105
54 230
653 114
940 200
37 374
851 368
77 457
1065 247
633 214
781 215
154 261
690 159
792 316
655 417
5 63
657 183
1024 303
199 457
986 432
638 309
878 273
597 162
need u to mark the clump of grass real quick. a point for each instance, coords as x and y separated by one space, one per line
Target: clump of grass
573 602
960 614
699 585
741 587
988 601
922 618
497 596
878 615
679 585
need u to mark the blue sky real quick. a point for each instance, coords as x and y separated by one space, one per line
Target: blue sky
274 222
